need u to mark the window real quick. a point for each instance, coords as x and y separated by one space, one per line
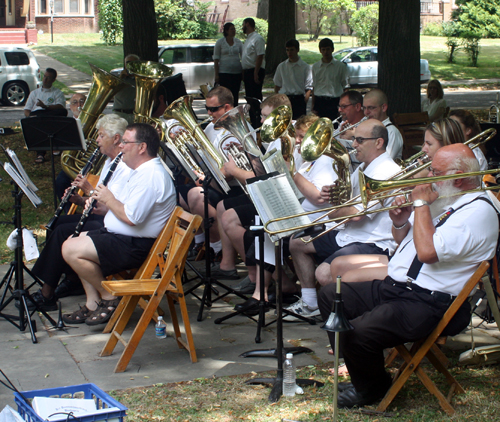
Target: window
65 7
17 58
174 55
202 55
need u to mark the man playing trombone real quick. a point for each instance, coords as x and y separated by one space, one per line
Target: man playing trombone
362 235
442 241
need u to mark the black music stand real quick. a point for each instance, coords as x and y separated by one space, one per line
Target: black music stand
16 271
53 134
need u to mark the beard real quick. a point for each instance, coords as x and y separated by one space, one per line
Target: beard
445 199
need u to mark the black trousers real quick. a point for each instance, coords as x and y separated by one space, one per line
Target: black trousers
50 265
327 107
383 315
299 106
254 90
231 81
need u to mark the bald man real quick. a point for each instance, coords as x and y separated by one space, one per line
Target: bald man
370 234
451 236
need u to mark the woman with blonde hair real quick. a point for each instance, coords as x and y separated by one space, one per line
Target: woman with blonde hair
434 104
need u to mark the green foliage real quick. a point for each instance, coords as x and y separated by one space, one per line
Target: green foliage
315 15
433 29
481 17
364 23
451 32
343 10
261 27
180 19
470 44
111 21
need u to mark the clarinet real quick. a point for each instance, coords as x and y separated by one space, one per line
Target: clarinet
88 210
64 201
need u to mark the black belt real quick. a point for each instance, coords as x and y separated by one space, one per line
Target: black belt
128 111
326 98
293 97
439 296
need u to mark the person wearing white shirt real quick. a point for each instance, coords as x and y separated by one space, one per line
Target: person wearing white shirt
370 234
227 61
442 240
293 77
329 80
434 104
375 105
133 219
253 64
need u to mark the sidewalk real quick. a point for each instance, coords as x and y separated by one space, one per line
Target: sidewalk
71 357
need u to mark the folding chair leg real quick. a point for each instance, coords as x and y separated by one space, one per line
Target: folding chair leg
118 311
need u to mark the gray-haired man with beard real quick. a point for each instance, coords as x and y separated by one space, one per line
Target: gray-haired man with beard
442 241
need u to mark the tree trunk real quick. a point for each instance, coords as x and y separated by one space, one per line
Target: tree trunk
263 10
140 35
281 29
399 54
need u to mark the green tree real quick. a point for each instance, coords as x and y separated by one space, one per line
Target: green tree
315 15
343 10
481 17
182 19
452 33
111 20
364 22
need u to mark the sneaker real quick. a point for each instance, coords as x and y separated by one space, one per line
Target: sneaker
245 286
216 272
43 304
300 308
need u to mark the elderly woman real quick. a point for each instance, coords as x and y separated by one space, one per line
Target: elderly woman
227 55
50 266
434 104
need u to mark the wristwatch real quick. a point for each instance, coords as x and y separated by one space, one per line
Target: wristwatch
419 203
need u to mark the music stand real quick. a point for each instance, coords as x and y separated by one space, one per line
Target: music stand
53 134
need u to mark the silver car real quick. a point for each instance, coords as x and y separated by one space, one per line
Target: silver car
19 75
362 65
194 61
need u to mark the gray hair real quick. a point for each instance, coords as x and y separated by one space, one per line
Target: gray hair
467 165
112 124
380 131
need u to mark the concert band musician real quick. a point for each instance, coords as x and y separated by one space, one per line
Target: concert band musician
134 216
50 266
407 305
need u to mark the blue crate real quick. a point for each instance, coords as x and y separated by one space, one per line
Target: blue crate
83 391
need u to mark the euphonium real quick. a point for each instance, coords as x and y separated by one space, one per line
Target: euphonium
147 78
104 87
182 111
177 136
319 141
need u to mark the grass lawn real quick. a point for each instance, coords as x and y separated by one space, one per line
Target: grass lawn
91 48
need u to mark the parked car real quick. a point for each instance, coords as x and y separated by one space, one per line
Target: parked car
19 75
362 65
194 61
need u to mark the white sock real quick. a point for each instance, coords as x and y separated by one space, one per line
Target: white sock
199 238
310 297
216 246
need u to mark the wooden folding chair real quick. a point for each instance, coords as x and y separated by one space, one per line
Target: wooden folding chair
428 348
168 256
412 127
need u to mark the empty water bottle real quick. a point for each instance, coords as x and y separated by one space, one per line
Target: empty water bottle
161 328
289 376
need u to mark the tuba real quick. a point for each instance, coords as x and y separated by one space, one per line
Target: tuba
318 141
104 87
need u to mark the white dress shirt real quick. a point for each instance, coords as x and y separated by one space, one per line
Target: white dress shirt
253 46
329 79
294 78
395 145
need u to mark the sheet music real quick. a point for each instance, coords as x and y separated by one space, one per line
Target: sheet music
182 161
273 161
274 198
33 197
20 170
214 169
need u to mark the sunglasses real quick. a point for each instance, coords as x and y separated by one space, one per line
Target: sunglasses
214 109
360 139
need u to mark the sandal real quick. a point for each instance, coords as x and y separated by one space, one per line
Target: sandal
77 317
40 159
343 372
103 312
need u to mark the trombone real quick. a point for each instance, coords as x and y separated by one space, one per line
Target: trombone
373 187
474 142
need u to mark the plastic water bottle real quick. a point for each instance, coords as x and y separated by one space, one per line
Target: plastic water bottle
289 376
161 328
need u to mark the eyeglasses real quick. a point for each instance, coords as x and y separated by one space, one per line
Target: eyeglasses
371 108
214 109
360 139
129 142
344 106
435 172
75 102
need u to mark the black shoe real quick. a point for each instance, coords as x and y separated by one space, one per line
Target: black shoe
217 273
288 298
42 303
249 307
194 251
351 397
344 386
69 287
